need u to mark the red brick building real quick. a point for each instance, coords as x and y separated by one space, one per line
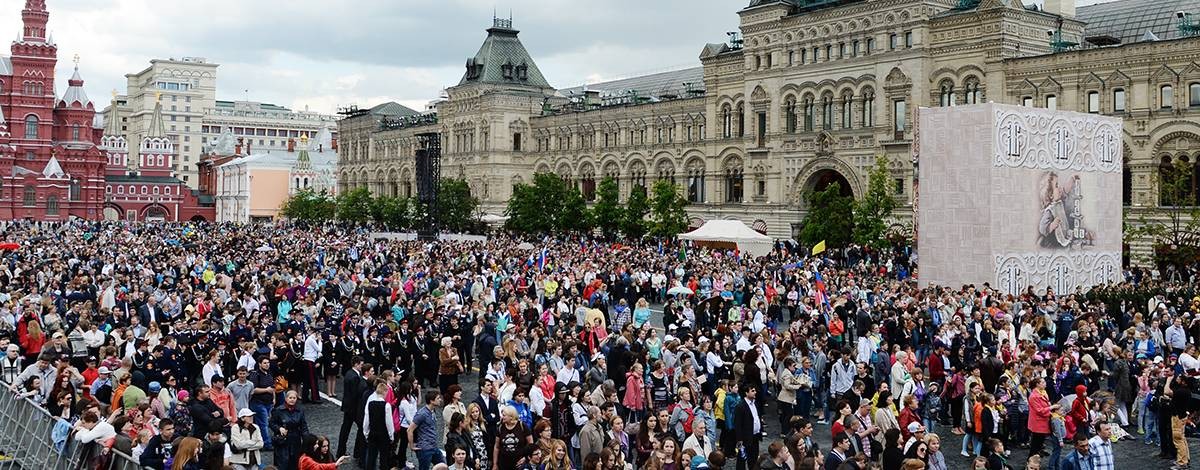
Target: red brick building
51 167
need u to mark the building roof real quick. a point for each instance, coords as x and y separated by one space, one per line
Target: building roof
503 60
283 160
654 85
1130 20
392 108
157 127
262 106
112 124
75 94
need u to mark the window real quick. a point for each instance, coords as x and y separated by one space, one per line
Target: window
762 129
847 112
733 185
741 116
803 56
1027 101
827 113
1093 98
808 114
757 62
517 141
769 56
868 110
52 205
791 58
870 46
1166 96
972 94
789 115
30 197
1194 95
695 186
893 41
762 188
75 132
1051 102
31 127
899 186
947 95
816 54
899 115
727 122
908 39
842 50
120 190
828 52
856 49
73 192
1119 100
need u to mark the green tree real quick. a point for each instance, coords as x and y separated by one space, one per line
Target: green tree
872 211
354 205
575 216
550 204
457 208
829 218
1175 233
636 208
309 206
667 216
607 213
392 212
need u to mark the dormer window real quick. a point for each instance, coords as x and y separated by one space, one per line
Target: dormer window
507 70
472 69
523 72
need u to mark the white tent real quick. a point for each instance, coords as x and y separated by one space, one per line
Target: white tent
735 232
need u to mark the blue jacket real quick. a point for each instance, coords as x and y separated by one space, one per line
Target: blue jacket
1074 461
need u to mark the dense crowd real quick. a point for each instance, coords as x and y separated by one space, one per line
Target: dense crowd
201 347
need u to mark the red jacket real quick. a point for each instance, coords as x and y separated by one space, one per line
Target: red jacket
307 463
937 372
1039 412
907 416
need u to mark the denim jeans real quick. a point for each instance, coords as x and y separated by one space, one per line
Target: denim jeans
261 414
1055 452
1151 427
426 458
804 400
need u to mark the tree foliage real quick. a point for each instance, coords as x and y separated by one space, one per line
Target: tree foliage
457 208
607 213
830 217
392 212
667 215
309 206
1175 235
550 204
354 205
871 213
633 223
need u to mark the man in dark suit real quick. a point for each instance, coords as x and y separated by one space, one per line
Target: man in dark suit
151 312
749 428
353 385
839 453
489 404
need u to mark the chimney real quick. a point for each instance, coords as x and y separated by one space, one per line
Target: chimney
237 149
291 145
1064 8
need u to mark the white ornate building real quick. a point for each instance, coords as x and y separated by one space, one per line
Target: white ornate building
815 90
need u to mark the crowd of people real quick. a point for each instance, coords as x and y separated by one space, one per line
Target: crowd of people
201 346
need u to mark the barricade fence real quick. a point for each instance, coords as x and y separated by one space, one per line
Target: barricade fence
29 440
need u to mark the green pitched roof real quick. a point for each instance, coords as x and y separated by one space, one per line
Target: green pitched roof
503 60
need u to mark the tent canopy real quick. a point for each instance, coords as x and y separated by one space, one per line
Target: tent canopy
732 231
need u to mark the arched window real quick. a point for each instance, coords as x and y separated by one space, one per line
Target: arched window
971 92
75 190
809 111
868 109
695 183
733 185
29 198
31 126
947 94
741 118
52 205
727 121
847 111
156 190
1166 96
789 114
120 190
75 132
827 112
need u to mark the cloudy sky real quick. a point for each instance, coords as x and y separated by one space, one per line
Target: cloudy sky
326 54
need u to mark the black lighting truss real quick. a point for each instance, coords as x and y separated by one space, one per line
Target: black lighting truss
429 172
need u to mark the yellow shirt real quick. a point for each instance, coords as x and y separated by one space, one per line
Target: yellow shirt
550 286
719 409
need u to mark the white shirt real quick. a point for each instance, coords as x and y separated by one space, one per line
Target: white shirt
387 413
312 348
209 371
567 375
754 413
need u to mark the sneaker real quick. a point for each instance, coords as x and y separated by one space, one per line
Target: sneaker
822 422
965 454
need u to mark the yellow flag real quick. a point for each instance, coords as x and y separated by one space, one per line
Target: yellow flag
818 248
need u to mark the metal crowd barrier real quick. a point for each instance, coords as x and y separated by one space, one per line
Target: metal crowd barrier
27 440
